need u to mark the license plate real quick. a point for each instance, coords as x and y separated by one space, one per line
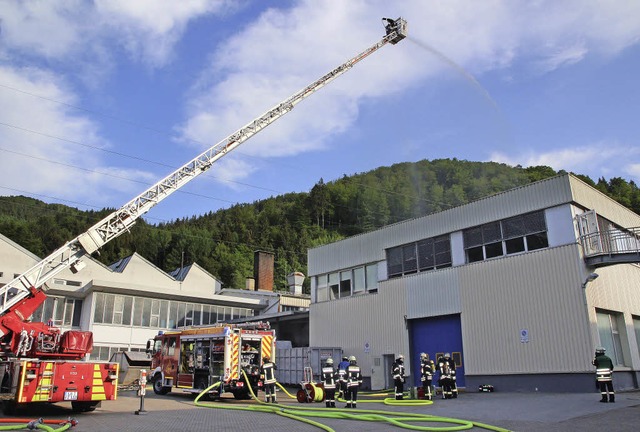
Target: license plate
70 395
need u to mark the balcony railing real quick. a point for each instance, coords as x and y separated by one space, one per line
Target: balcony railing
615 246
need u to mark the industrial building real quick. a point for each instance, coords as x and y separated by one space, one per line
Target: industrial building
519 287
127 303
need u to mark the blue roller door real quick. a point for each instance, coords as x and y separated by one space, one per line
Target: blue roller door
435 335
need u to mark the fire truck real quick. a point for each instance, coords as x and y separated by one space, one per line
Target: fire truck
196 358
38 362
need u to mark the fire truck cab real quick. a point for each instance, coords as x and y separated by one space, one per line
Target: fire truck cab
196 358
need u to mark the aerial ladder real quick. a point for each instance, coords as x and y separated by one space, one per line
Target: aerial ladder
23 295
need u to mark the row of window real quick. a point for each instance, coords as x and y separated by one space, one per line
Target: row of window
518 234
347 282
168 314
424 255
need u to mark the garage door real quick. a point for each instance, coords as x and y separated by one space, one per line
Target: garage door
436 336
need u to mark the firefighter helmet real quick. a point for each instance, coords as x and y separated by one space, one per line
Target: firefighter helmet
400 358
600 350
352 359
447 355
423 356
329 361
345 358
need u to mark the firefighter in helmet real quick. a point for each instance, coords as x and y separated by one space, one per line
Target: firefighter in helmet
398 376
342 382
604 375
446 379
269 379
354 380
427 368
329 380
452 372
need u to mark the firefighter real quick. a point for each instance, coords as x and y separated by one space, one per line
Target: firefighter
445 380
268 372
604 375
398 376
426 375
342 383
452 373
329 381
354 380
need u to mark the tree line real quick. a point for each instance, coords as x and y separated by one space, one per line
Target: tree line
223 242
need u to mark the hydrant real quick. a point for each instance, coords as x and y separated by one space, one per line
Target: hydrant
142 390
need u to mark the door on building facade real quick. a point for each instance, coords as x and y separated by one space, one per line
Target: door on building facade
436 336
388 360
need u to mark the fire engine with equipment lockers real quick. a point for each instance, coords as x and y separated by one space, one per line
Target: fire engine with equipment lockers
193 359
39 362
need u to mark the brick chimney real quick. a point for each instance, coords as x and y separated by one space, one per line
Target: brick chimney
263 263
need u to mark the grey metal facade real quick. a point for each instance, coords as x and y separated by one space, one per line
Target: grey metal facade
539 292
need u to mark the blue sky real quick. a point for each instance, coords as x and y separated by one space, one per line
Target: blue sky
100 99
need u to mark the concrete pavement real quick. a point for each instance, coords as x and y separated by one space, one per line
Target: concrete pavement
522 412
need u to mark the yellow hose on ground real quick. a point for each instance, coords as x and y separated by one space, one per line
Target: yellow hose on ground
400 419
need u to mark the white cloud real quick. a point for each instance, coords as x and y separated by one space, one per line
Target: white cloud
595 160
149 29
284 50
36 162
84 33
633 170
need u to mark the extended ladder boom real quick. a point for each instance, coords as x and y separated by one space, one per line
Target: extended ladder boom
120 221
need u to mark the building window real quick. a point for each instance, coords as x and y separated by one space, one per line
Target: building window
610 327
358 280
322 292
60 311
155 313
636 327
424 255
345 283
518 234
371 273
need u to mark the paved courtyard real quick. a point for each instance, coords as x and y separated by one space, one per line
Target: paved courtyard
520 412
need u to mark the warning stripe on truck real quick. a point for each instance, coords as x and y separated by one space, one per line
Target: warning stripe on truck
266 347
235 355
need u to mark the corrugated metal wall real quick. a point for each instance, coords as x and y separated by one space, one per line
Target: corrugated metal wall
433 293
591 198
376 319
617 289
539 292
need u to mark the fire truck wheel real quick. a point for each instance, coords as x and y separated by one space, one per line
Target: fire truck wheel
158 388
78 406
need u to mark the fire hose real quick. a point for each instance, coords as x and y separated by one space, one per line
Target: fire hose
400 419
41 424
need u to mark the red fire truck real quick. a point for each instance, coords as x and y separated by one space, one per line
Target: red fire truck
40 363
195 358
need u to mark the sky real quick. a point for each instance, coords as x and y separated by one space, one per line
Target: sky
101 99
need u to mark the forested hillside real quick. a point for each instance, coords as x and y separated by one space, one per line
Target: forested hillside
223 242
